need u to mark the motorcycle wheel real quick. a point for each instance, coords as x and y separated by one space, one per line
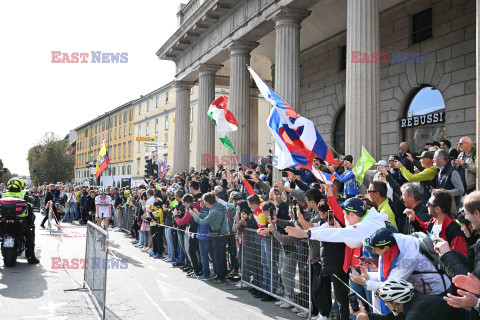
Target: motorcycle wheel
9 257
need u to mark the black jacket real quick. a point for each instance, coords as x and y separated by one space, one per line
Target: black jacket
421 211
331 256
456 263
90 205
425 307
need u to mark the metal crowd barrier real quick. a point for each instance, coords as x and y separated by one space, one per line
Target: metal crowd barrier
96 254
280 271
128 219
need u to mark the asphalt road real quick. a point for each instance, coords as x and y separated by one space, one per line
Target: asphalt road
145 289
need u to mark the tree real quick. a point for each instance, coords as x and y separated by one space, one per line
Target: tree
5 174
51 160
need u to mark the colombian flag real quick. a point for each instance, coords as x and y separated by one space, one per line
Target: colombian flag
102 160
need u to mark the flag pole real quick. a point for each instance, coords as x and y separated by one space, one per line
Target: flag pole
332 149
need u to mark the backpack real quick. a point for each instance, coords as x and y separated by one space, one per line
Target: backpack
427 248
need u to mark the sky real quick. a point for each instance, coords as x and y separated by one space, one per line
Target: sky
39 96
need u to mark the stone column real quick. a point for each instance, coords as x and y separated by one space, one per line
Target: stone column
287 53
254 124
478 98
182 126
362 121
206 128
287 58
239 101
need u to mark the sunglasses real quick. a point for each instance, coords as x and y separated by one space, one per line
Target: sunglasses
371 191
431 205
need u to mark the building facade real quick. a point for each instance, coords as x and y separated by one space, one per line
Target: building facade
367 72
154 117
116 129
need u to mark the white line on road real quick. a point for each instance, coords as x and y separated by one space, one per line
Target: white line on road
204 313
146 294
163 275
154 269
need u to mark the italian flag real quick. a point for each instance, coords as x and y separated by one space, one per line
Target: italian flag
223 119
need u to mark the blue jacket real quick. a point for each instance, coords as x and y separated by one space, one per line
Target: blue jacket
205 229
350 183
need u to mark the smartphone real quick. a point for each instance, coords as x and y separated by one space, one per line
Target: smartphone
294 208
352 297
355 271
366 260
432 149
331 218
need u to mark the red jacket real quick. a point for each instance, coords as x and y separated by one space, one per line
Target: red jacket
451 232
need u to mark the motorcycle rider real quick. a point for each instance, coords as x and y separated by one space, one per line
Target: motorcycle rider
16 189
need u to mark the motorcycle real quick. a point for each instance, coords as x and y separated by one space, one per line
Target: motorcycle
11 236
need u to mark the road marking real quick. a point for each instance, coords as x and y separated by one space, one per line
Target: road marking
163 275
184 292
146 294
204 313
154 269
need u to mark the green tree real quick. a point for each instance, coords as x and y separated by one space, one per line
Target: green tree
51 160
5 174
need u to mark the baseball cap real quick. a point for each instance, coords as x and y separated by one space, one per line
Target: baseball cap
426 154
380 238
354 205
382 163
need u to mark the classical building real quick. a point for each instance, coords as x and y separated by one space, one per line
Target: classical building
115 127
367 72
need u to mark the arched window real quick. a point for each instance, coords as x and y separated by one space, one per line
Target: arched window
129 169
339 132
424 118
113 170
123 170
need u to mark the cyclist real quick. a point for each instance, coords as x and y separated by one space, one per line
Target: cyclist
103 207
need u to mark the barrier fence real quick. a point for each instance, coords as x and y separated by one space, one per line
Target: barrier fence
96 252
280 271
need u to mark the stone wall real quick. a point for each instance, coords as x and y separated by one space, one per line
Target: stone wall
450 67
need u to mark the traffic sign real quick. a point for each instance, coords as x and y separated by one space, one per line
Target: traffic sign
139 138
155 144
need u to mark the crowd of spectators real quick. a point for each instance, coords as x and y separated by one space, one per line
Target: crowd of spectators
405 242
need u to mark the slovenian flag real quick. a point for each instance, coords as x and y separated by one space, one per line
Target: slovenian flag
223 119
297 140
102 160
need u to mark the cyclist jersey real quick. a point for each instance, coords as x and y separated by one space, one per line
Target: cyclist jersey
102 205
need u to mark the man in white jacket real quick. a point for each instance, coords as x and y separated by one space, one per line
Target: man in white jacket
359 225
400 258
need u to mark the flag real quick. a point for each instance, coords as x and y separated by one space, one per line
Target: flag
297 140
323 176
102 160
223 119
160 168
363 164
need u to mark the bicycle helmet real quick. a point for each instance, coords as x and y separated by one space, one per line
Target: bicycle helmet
171 191
14 185
396 290
22 184
126 192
